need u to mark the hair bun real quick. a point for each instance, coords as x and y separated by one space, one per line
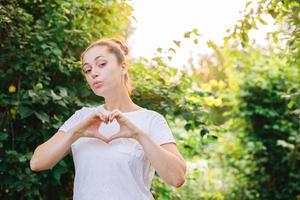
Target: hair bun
125 49
122 45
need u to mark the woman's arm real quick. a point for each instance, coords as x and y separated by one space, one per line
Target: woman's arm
58 146
52 151
165 159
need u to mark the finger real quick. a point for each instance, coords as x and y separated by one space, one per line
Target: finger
104 116
101 116
111 115
106 119
118 116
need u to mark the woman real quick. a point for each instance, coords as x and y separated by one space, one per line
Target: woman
116 146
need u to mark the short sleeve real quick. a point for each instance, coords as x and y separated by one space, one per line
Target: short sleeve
160 131
72 121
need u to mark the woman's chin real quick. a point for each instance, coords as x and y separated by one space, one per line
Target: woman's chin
99 92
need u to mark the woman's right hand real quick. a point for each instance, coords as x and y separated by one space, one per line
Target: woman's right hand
89 127
58 146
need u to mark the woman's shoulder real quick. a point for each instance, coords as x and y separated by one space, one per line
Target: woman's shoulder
147 112
86 110
153 113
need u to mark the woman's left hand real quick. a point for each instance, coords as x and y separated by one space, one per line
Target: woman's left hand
127 128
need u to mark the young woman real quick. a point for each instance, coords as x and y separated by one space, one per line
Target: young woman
116 146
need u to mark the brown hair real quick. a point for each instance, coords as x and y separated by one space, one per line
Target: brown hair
120 50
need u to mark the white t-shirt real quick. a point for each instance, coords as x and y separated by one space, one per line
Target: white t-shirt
120 169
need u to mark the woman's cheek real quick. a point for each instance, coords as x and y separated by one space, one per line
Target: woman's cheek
89 82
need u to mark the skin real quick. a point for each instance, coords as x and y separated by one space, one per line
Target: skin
103 68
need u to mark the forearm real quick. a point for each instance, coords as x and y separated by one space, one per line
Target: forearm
51 152
168 166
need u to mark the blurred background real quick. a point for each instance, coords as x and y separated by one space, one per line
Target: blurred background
225 74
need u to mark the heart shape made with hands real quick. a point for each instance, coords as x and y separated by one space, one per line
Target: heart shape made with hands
109 129
115 125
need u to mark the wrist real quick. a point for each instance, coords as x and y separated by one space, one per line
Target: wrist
139 135
74 135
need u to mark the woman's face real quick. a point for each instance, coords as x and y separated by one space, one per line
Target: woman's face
102 71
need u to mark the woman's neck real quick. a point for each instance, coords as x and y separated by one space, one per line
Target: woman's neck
120 100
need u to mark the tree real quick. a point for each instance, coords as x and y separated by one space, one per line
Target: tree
40 46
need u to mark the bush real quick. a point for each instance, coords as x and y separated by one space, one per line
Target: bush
41 83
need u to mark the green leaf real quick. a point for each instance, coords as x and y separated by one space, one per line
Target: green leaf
42 116
177 42
187 115
211 138
248 3
195 31
173 50
187 34
211 44
188 126
262 21
63 92
55 96
3 136
204 131
58 171
25 111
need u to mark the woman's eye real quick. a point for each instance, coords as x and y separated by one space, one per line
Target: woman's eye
101 64
87 71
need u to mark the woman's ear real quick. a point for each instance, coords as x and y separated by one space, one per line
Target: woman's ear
124 67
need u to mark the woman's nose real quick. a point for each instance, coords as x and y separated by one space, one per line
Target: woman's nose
94 72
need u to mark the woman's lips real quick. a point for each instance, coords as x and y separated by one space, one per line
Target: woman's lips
97 84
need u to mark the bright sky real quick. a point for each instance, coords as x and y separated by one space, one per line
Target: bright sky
159 22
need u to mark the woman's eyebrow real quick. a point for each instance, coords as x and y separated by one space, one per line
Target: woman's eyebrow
98 57
94 60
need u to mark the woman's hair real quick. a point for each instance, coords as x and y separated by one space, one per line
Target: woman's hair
120 50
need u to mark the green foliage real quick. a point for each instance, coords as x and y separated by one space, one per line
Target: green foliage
257 151
42 85
235 116
159 89
269 96
283 12
41 42
273 124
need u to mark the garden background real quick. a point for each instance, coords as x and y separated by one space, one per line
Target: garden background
235 114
